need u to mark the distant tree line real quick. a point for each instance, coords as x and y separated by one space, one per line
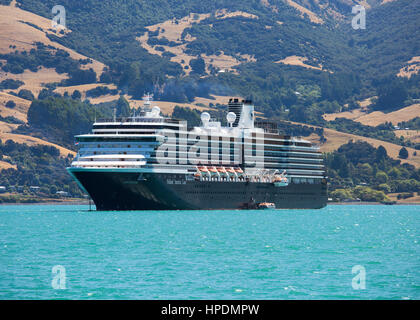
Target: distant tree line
360 164
40 166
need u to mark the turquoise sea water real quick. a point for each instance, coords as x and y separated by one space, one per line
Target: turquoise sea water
275 254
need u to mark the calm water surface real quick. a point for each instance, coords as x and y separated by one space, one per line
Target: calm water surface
275 254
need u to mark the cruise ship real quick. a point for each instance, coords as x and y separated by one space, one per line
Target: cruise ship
152 162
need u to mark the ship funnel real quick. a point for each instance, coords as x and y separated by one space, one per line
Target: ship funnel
244 111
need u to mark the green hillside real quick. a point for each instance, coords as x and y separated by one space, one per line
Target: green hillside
352 60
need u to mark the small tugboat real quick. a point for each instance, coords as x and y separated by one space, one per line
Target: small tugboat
266 205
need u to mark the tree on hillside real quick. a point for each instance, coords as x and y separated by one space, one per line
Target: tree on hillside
10 104
76 95
60 119
403 154
11 84
391 96
26 94
381 153
198 66
79 76
381 177
123 107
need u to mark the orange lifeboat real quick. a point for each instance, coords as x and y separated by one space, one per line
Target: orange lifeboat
231 170
223 173
222 170
213 170
280 181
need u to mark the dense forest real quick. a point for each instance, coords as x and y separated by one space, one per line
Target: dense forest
356 63
59 119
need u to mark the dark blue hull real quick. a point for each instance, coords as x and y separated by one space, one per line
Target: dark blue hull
159 191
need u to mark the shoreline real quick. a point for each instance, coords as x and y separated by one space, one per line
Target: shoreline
82 202
372 204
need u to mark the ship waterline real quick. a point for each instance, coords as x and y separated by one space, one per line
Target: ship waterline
148 162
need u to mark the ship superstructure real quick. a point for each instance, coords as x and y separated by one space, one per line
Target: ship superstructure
151 162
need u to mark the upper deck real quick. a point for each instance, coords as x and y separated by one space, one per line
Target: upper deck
137 142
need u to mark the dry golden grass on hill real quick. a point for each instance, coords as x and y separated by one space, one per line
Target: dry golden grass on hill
31 141
7 127
304 11
6 112
83 88
412 67
353 114
414 199
34 81
6 165
173 29
412 135
166 107
300 62
6 134
19 112
217 100
364 104
335 139
225 62
378 117
103 99
224 14
14 32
